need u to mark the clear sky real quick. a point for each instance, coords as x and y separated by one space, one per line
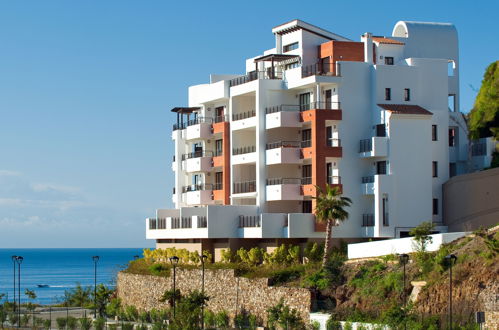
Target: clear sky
86 89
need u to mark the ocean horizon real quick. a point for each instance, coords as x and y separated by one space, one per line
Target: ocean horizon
61 269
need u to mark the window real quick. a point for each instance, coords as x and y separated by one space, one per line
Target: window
329 173
435 169
290 47
388 94
435 206
385 211
218 147
381 130
219 114
218 181
306 137
304 101
306 206
388 60
306 172
434 134
452 137
291 66
381 167
407 94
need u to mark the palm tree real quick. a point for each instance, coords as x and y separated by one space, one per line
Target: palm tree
330 209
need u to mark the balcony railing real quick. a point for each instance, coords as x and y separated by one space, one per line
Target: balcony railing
218 153
186 222
368 220
306 143
368 179
306 180
175 222
304 107
254 75
275 181
218 186
334 179
202 222
221 119
283 144
191 122
197 154
333 142
243 150
243 115
249 221
244 187
321 69
197 187
153 223
366 145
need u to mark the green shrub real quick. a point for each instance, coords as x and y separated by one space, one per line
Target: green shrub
284 316
333 324
127 326
144 317
159 270
242 254
255 256
222 319
61 323
314 252
347 326
47 324
72 322
209 319
114 307
315 325
131 313
99 323
285 275
141 327
85 323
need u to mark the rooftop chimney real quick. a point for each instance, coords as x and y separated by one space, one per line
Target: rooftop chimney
368 47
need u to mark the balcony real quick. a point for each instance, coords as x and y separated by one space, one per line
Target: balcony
368 185
284 189
283 152
198 128
255 75
198 161
243 120
283 115
244 155
333 149
321 69
368 220
244 187
376 146
197 194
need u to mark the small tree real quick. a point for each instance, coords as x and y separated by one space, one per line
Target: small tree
421 235
330 209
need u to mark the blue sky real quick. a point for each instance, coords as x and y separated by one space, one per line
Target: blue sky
86 88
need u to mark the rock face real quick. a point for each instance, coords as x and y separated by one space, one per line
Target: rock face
226 291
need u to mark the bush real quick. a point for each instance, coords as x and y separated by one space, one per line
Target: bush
159 270
114 307
333 324
99 323
222 319
287 274
72 322
255 256
47 324
61 323
131 313
283 316
314 252
85 323
209 319
227 256
127 326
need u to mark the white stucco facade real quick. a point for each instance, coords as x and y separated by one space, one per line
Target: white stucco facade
372 117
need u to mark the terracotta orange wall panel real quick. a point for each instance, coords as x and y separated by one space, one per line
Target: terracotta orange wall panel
218 161
218 127
218 195
226 162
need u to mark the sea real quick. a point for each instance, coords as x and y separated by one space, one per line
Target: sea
61 270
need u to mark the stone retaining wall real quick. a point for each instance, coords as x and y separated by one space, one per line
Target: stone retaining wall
226 291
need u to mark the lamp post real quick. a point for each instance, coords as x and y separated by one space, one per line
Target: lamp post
451 259
404 258
203 260
19 261
174 262
95 259
14 258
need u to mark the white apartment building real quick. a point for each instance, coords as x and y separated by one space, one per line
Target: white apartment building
377 117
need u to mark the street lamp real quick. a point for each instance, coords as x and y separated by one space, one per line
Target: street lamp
203 260
174 262
404 259
14 258
19 261
95 259
451 259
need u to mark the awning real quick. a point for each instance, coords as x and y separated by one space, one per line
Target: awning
277 58
406 109
185 109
